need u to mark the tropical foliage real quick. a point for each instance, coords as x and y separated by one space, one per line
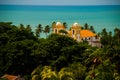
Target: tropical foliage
57 57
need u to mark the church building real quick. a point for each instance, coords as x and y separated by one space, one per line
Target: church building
78 34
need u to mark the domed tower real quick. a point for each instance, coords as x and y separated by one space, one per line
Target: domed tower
58 26
75 31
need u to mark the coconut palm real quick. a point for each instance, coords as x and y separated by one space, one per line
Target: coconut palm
104 32
22 27
117 33
28 28
47 29
38 30
86 26
82 27
53 25
116 30
98 34
110 33
65 25
92 29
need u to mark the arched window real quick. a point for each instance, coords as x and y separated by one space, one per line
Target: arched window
73 31
56 31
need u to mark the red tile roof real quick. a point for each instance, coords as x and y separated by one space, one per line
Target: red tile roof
87 33
10 77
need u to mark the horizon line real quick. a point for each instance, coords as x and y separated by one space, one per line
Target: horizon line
61 5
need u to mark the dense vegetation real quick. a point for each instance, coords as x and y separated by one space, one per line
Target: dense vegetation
57 57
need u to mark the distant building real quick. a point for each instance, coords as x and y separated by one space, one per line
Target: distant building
78 34
57 27
74 32
91 38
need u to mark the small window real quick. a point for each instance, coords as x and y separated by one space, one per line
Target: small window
55 30
73 32
96 37
89 38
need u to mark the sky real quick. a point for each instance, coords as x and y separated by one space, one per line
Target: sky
61 2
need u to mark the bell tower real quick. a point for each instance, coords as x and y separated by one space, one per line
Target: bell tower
75 30
57 27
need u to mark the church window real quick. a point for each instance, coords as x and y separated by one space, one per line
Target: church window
55 30
73 31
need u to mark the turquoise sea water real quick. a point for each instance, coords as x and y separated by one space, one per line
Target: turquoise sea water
98 16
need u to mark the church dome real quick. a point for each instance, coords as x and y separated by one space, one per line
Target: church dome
75 24
58 23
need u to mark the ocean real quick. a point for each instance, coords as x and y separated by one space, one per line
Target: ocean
98 16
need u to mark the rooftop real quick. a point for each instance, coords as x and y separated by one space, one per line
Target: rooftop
12 77
87 33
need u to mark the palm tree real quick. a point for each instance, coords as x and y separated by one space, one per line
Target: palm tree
92 29
117 32
117 35
82 28
38 30
65 25
21 27
86 26
110 33
28 28
98 34
104 32
53 25
47 29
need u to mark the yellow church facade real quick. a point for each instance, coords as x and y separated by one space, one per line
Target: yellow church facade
78 34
